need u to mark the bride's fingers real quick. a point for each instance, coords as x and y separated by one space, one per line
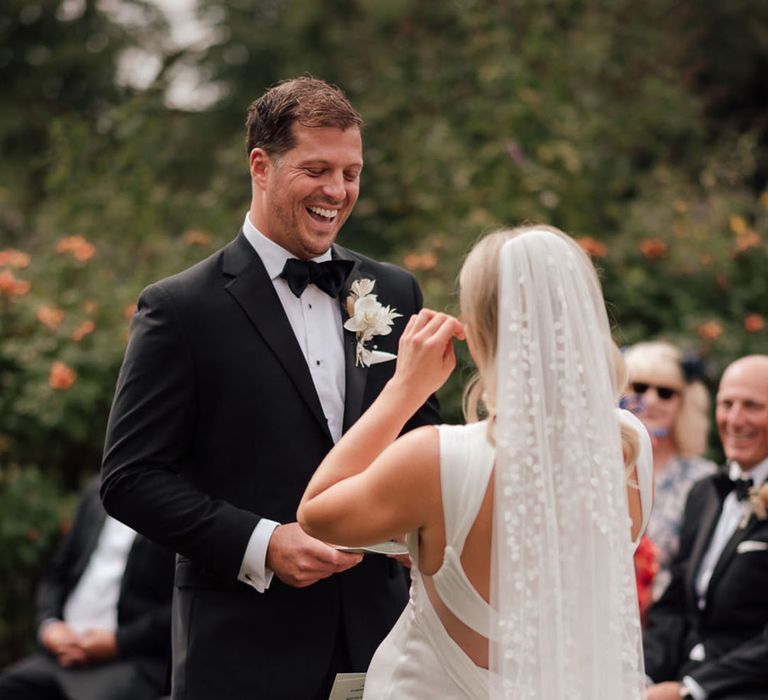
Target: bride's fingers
416 324
422 319
450 328
439 328
408 330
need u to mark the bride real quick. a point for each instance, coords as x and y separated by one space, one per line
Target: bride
521 526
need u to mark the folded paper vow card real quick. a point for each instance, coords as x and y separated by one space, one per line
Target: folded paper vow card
389 547
348 686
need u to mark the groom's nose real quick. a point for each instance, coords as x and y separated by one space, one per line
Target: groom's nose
334 186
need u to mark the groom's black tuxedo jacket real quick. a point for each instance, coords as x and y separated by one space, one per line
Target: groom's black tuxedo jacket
215 424
733 624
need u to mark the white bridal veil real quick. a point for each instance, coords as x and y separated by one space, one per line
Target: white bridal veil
563 586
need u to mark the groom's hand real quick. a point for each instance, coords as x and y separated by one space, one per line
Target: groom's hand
668 690
300 560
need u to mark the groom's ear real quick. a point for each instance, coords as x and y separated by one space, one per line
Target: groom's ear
259 164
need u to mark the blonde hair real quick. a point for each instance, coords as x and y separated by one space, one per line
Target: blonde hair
479 301
661 362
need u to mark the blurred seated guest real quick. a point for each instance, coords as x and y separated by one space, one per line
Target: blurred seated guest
707 636
668 396
103 614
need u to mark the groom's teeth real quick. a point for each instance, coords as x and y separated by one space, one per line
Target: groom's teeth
326 213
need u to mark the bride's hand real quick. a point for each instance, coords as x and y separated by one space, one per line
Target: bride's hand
425 357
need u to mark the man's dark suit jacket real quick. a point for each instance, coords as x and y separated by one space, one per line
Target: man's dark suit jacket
143 607
733 626
215 424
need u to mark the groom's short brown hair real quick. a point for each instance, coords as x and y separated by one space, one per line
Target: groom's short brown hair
306 101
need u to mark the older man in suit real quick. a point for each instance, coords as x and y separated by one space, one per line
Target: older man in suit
707 636
104 616
240 374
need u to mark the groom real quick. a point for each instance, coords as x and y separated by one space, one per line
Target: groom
238 378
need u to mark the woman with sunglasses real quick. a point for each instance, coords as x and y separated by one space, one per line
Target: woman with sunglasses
668 396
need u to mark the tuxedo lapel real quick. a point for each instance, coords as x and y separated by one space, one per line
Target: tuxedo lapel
730 548
253 290
355 375
728 553
707 524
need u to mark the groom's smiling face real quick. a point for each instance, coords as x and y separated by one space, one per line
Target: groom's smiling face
302 197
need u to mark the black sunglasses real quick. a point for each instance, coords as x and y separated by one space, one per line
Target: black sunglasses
663 392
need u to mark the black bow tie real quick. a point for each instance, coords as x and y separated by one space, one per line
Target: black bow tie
741 488
724 485
328 276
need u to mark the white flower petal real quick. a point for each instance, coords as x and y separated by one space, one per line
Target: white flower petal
362 287
356 324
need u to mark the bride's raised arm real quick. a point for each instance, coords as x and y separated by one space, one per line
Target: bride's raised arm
371 485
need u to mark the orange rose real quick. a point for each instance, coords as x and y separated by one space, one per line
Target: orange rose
593 247
50 317
10 286
14 258
745 241
197 237
412 261
653 248
77 247
423 261
61 377
428 261
754 323
128 311
7 282
85 328
711 330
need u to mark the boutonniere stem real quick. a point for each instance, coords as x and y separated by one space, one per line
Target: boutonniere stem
367 318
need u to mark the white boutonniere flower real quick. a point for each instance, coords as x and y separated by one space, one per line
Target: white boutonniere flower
758 504
368 318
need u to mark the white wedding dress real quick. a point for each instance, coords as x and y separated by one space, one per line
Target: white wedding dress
418 660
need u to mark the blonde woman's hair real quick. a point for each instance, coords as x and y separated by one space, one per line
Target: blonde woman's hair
660 362
479 303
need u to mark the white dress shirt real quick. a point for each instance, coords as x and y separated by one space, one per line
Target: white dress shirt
93 602
316 322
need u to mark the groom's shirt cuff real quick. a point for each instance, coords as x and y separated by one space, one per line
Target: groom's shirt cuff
253 570
697 692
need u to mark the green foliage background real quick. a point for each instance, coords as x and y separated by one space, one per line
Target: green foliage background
639 128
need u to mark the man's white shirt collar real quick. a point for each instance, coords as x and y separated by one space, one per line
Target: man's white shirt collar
272 255
758 473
